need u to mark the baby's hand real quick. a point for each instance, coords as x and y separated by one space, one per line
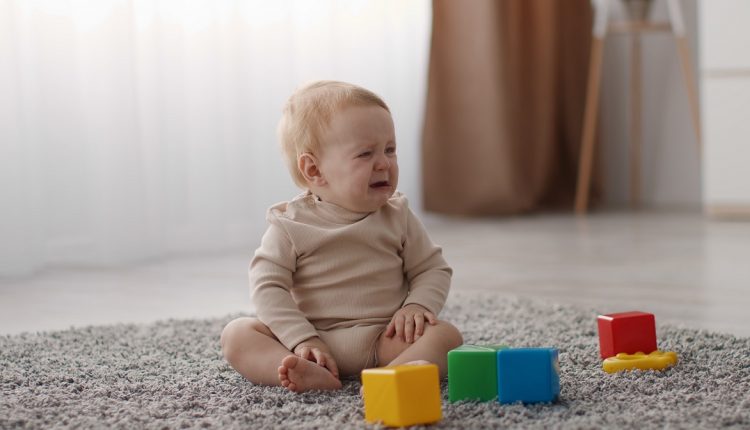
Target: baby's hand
315 350
408 322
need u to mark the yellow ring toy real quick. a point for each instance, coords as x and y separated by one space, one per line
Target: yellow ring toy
657 360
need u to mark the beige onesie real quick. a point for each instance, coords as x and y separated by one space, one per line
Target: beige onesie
322 270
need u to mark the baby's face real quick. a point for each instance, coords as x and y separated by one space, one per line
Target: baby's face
358 160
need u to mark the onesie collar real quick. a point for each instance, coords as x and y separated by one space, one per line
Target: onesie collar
333 212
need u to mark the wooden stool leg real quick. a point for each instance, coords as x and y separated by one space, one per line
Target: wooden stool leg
635 121
678 29
589 125
687 72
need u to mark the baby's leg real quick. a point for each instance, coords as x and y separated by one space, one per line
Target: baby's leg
251 348
433 347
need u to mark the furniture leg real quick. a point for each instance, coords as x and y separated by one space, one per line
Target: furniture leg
687 72
589 125
678 29
635 121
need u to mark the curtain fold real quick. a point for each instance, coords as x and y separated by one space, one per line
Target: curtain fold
504 110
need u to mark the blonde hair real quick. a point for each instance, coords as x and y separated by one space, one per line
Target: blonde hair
308 112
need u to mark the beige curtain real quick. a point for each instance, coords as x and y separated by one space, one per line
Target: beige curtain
507 83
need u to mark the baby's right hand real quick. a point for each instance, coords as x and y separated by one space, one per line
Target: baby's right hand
314 349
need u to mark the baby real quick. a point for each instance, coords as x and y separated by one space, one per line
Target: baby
346 277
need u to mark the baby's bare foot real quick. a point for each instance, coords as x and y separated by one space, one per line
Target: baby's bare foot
300 375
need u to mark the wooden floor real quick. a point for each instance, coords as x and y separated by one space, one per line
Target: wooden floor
683 268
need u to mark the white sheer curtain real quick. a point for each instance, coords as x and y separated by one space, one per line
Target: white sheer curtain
133 130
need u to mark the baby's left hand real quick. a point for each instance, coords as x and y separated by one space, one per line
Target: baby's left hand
408 322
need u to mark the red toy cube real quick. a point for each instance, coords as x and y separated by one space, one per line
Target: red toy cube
627 332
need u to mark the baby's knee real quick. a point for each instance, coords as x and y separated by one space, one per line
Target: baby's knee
449 334
235 334
229 334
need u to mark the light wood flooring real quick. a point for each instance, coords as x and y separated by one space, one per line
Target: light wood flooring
682 267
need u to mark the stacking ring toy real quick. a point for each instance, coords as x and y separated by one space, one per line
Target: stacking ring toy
657 360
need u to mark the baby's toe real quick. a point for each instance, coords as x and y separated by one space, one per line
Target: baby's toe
290 361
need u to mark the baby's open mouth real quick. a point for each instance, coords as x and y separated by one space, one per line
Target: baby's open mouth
380 184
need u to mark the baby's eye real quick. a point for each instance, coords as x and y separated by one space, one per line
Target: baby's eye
390 150
365 154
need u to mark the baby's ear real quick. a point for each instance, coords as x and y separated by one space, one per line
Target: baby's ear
308 166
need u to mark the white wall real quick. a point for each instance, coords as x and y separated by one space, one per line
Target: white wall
670 166
725 84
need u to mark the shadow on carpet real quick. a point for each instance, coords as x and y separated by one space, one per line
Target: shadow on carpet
171 375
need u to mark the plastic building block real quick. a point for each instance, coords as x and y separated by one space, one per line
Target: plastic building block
472 372
528 375
627 332
400 396
657 360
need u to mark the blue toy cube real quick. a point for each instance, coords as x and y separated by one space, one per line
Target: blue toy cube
528 375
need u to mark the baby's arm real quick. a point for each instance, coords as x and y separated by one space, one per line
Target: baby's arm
271 279
428 275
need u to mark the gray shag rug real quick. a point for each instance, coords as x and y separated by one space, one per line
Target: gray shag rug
171 375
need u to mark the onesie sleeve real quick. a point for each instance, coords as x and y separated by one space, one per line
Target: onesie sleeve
427 272
271 282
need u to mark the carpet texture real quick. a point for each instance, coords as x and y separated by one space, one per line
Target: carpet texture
171 375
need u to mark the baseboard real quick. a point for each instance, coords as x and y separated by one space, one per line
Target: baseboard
728 211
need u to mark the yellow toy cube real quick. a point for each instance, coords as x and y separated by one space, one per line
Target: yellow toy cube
400 396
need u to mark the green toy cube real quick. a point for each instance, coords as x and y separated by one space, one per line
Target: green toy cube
472 372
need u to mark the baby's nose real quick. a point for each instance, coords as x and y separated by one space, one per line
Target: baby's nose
382 163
